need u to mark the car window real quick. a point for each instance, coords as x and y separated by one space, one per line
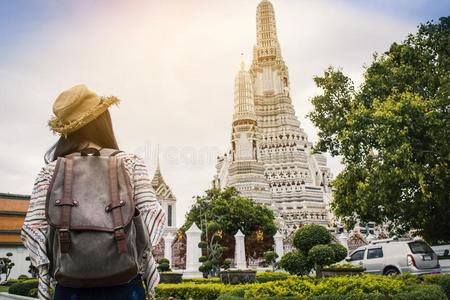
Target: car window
358 255
419 247
374 253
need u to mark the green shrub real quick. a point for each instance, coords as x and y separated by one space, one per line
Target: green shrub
227 263
310 235
295 262
340 252
12 281
33 293
236 294
164 265
321 255
349 297
186 290
291 287
443 280
262 277
202 280
343 266
23 288
358 285
22 277
361 287
421 292
302 287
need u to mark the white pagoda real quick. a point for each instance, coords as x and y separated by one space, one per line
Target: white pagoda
271 159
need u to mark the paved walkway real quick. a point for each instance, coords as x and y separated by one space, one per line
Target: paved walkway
6 296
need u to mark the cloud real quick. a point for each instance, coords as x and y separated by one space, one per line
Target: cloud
173 64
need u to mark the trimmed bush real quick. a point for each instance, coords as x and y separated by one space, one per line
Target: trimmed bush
236 294
23 288
186 290
164 265
12 281
355 286
443 280
34 293
295 262
340 252
421 292
270 276
364 287
291 287
321 255
310 235
202 280
22 277
348 297
358 285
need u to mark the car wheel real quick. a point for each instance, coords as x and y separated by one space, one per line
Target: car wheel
391 271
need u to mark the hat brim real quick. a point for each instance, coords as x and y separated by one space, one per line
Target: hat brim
64 128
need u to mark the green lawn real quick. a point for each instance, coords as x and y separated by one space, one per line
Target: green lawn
3 288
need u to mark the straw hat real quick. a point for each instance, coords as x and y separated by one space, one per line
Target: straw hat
76 107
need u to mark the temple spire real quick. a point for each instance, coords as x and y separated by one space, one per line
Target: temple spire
157 177
267 46
244 106
157 158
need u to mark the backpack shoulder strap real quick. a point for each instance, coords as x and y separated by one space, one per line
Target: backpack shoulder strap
66 202
116 204
109 152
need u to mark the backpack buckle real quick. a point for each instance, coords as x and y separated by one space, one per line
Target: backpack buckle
119 234
64 240
117 228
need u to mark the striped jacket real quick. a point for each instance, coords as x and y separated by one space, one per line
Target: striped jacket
35 226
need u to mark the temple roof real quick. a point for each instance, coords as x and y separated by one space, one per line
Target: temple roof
162 190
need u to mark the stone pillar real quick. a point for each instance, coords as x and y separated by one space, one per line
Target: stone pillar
278 238
239 254
193 252
168 240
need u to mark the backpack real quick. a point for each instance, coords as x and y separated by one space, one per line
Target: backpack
96 235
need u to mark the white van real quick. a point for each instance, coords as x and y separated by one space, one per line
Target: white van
393 256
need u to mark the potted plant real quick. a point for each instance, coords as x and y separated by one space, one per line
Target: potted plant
165 273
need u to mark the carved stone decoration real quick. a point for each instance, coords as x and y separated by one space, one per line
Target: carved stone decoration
179 252
355 240
158 250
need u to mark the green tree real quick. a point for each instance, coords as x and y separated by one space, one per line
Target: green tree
315 248
393 135
214 251
164 265
270 259
340 252
321 255
7 264
233 212
310 235
295 262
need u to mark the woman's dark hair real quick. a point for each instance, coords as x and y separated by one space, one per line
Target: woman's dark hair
98 131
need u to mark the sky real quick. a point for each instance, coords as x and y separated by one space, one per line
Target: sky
172 63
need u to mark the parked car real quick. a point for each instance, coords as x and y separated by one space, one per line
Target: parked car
394 256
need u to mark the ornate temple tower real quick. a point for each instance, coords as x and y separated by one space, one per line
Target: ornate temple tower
298 179
245 172
166 199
